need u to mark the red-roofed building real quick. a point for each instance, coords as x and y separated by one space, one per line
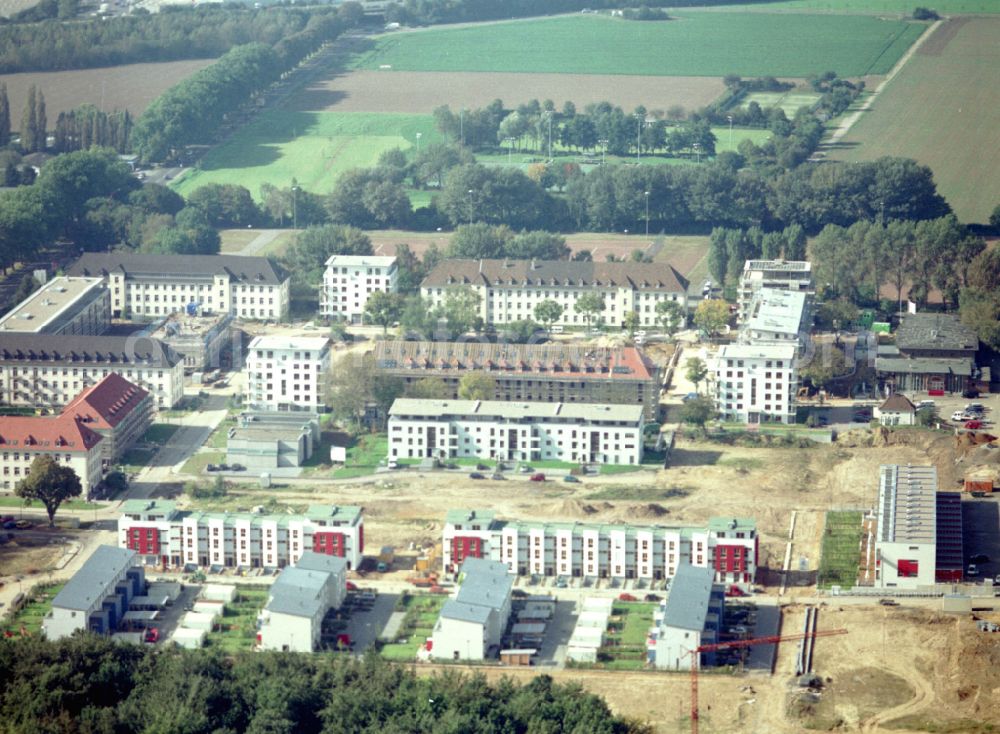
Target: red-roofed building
118 410
24 438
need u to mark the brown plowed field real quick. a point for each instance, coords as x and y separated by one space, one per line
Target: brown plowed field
131 87
421 92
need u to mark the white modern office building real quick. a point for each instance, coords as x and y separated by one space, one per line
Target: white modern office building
728 546
63 305
286 373
473 623
146 287
756 383
48 371
509 290
786 275
348 281
165 536
299 599
906 535
488 429
777 317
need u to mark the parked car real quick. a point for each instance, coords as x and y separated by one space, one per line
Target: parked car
7 518
571 479
689 396
970 392
9 524
888 602
525 469
975 408
651 597
735 591
979 558
624 596
211 467
23 524
152 635
477 475
497 476
351 586
561 583
972 570
972 425
237 467
539 477
960 415
223 467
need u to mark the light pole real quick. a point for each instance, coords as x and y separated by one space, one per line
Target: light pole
604 148
550 136
470 205
647 212
697 150
730 118
295 207
510 148
419 135
461 125
638 138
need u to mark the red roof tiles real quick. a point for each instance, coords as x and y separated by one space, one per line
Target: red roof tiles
46 433
105 405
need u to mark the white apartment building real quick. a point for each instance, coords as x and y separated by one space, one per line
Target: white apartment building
786 275
475 620
23 438
509 290
689 617
42 370
777 317
593 550
491 429
756 383
348 281
286 373
96 598
146 287
63 306
299 599
164 536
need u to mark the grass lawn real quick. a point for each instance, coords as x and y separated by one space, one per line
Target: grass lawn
197 463
364 456
135 459
694 44
70 505
626 639
903 7
422 611
840 553
238 625
218 438
789 101
33 612
159 433
314 148
234 240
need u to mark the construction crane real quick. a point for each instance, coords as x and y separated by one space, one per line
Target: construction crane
734 644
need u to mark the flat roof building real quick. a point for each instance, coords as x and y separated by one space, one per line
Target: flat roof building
287 373
552 372
200 341
787 275
756 383
63 305
777 317
349 280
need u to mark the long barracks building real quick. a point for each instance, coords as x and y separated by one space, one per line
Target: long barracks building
593 550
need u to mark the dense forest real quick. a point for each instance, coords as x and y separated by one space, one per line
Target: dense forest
91 685
174 33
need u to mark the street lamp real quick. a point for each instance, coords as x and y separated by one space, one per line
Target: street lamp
295 207
604 148
730 118
419 135
697 150
470 192
510 148
647 212
638 137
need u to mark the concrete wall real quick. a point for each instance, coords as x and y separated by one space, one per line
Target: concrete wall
457 639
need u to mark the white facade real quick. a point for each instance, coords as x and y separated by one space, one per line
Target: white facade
475 620
756 383
787 275
896 410
777 317
460 632
162 535
591 550
348 281
486 429
63 305
906 536
292 619
286 373
67 441
510 290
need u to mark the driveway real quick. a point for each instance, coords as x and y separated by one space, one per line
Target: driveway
557 633
364 627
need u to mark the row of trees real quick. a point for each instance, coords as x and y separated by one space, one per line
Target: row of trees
34 121
426 12
204 31
729 249
87 126
90 684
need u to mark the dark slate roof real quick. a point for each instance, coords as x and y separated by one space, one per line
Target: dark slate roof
90 583
935 331
687 602
142 351
485 583
244 269
464 612
961 366
313 561
560 273
897 402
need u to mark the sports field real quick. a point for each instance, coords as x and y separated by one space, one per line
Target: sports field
693 44
790 101
943 109
313 148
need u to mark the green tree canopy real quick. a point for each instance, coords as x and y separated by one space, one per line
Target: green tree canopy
477 386
711 315
384 309
50 483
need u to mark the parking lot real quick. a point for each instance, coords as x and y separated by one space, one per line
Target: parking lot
981 535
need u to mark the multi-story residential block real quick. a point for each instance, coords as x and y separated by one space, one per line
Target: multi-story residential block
23 438
777 317
202 342
44 371
97 597
489 429
918 538
63 306
164 536
117 410
299 599
552 373
287 373
591 550
786 275
756 384
509 290
935 352
348 281
689 617
475 620
148 286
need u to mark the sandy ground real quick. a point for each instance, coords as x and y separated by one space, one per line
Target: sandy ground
422 92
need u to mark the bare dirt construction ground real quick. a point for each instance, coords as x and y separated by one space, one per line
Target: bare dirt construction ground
29 554
422 92
9 7
131 87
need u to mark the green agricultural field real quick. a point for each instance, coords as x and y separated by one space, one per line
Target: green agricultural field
694 44
949 98
790 101
314 148
840 552
903 7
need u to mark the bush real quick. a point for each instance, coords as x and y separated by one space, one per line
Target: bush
925 14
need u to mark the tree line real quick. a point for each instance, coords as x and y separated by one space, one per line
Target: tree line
90 684
176 32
